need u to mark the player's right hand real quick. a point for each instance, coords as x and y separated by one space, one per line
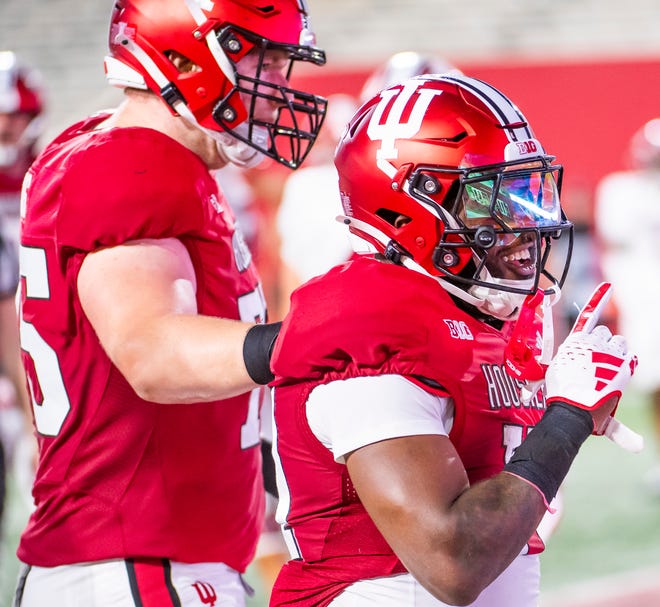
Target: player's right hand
592 367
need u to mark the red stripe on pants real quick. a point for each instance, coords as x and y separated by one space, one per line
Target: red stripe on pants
152 583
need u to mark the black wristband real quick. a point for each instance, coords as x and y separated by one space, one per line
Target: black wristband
257 349
547 453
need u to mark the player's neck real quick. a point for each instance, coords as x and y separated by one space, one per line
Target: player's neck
473 311
142 109
146 110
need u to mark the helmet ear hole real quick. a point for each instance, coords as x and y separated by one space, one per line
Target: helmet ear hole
398 220
182 64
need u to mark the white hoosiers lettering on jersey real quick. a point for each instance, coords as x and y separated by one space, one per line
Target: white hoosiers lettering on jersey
504 391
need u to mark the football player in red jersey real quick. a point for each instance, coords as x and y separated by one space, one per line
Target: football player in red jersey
138 309
21 120
408 473
625 257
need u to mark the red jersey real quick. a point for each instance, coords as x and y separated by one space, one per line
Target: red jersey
120 477
371 318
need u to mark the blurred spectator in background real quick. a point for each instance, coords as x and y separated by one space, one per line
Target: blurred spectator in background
21 122
311 240
401 66
585 271
627 216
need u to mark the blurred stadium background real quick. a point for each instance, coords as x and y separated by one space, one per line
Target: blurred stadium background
585 72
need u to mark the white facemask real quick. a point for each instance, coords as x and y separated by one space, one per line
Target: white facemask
8 155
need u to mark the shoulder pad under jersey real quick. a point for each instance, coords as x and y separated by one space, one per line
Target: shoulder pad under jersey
130 183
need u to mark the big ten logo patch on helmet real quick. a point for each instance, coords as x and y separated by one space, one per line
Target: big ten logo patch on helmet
411 100
519 150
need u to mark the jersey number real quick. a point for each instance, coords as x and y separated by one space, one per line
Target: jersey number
49 415
512 438
252 308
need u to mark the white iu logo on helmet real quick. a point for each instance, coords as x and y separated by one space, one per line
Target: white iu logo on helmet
205 5
394 128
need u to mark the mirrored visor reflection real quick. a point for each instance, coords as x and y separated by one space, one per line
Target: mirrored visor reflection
521 201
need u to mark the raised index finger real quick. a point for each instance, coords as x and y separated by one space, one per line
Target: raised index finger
591 311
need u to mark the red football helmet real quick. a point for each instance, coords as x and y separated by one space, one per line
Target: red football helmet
214 35
402 66
644 149
443 174
20 93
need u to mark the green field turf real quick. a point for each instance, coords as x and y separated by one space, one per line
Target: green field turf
610 523
15 518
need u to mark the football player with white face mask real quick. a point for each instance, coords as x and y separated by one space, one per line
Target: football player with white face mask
408 471
142 315
627 223
21 121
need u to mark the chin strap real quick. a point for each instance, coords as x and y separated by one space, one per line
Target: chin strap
239 152
502 305
494 302
231 149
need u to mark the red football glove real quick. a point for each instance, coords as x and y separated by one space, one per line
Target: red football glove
592 368
530 346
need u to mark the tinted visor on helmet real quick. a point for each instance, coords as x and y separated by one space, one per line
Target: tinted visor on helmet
510 202
510 218
297 117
